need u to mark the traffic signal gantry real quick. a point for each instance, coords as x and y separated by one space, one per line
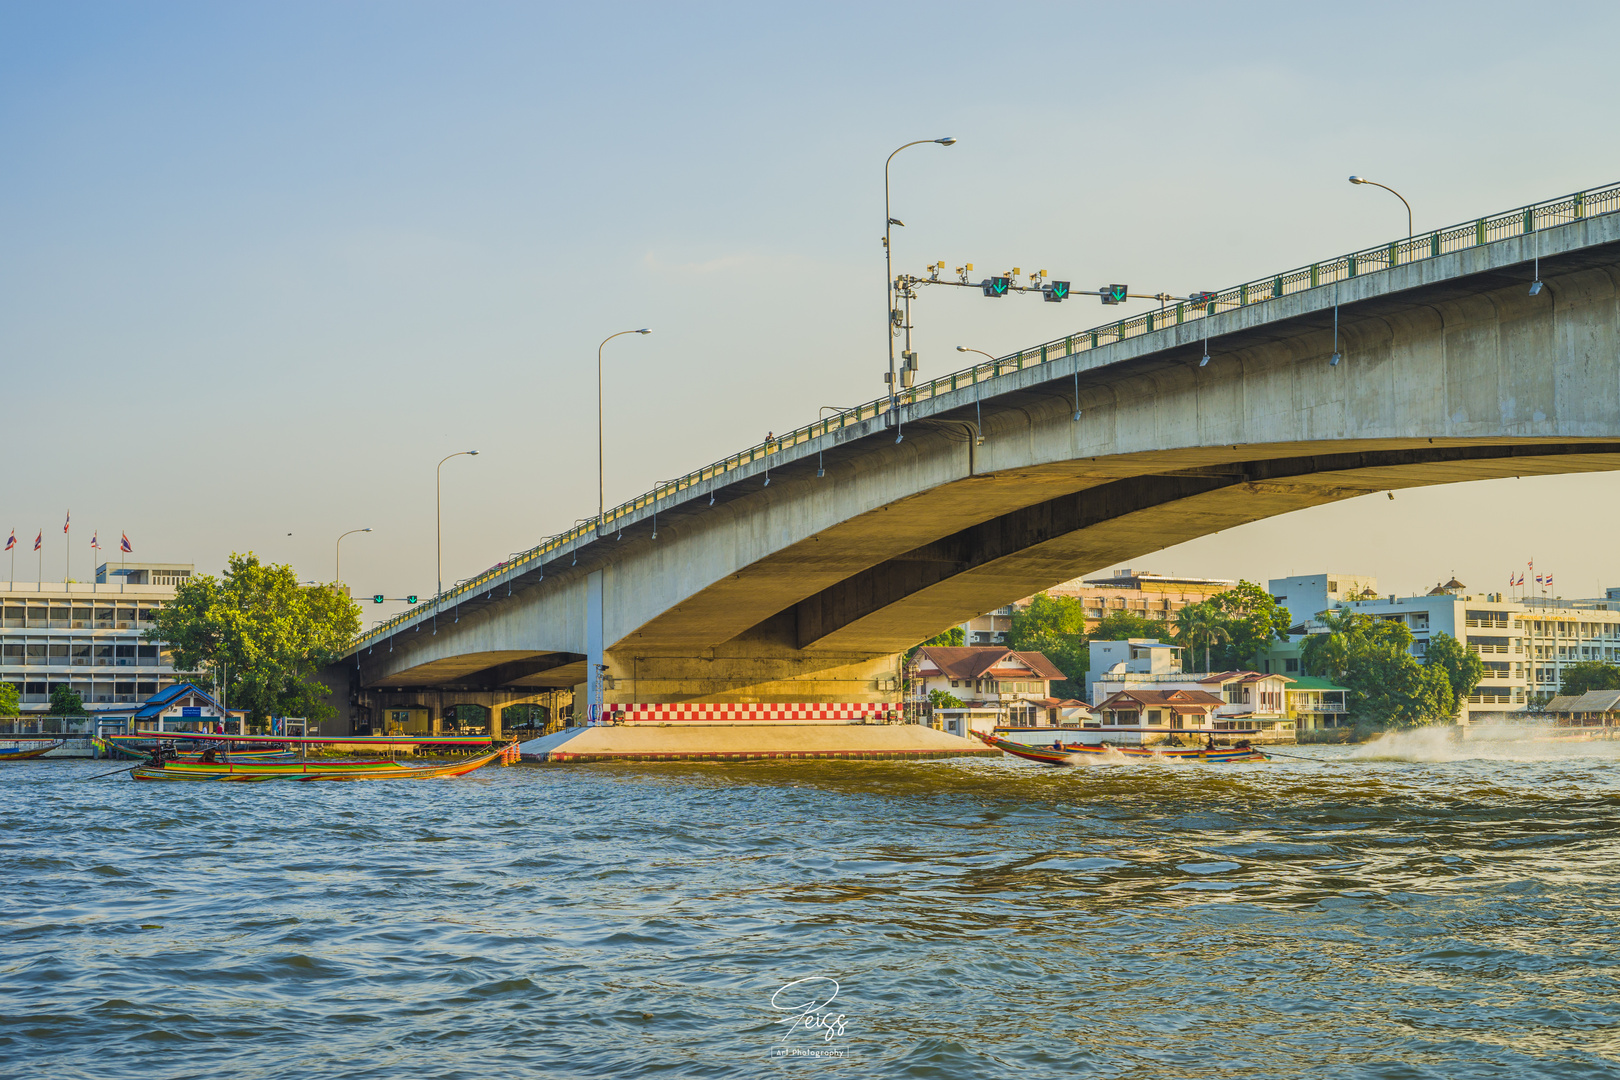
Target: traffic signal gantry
379 598
1052 291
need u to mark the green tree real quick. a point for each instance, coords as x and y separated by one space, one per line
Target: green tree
10 699
260 635
1122 625
1462 668
65 701
1371 657
1252 618
1055 627
1328 655
1393 690
1589 675
1201 624
944 699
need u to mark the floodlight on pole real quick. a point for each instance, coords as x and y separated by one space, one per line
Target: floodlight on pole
601 502
889 222
1392 191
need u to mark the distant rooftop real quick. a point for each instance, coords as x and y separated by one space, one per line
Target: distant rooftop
1133 579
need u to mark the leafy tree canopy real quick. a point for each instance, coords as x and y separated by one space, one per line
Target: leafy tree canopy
1463 669
10 699
1589 675
1054 626
1388 686
65 701
260 634
944 699
1252 618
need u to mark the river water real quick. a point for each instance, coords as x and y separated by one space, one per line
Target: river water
1410 909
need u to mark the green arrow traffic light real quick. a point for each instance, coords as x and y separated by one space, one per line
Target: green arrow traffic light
1114 294
410 599
377 599
1057 292
997 286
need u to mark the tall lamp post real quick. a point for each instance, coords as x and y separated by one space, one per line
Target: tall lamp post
337 556
438 518
981 352
601 501
1392 191
888 266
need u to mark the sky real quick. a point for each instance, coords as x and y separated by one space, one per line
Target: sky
262 265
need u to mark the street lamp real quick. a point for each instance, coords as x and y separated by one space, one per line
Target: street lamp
1392 191
438 519
337 554
888 263
601 502
981 352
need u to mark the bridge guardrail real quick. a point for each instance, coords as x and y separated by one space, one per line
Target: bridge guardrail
1522 221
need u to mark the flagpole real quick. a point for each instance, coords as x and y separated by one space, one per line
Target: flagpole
67 556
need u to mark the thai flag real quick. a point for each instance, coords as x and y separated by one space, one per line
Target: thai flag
11 541
123 542
67 521
39 541
95 541
1541 579
1549 581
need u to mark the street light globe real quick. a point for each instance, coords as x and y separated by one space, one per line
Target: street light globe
961 348
1357 180
643 331
473 453
946 141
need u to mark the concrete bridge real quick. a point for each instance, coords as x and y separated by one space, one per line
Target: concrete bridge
796 571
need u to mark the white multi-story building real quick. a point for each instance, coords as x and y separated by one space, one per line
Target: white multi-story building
1525 643
88 635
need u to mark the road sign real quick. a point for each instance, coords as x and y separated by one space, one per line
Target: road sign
377 599
410 599
997 286
1114 294
1057 292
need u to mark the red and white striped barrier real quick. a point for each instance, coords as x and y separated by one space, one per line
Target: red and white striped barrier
770 712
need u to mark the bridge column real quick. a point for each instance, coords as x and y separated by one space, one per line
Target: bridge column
495 721
593 647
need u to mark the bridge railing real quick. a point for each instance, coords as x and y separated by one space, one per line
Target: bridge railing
1523 221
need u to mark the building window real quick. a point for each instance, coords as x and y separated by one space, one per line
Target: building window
1290 665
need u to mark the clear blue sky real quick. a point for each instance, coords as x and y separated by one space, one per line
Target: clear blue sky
261 265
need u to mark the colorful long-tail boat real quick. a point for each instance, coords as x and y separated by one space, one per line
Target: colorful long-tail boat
230 772
1075 753
17 753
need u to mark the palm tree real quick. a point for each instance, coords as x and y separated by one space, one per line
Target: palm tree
1201 624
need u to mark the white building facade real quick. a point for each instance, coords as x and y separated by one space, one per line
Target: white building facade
1525 643
88 636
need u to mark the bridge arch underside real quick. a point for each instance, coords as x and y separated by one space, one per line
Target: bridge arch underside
856 624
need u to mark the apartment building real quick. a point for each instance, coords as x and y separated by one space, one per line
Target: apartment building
1525 643
1152 596
88 635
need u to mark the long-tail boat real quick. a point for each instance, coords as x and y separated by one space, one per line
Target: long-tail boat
17 753
230 772
138 748
1074 753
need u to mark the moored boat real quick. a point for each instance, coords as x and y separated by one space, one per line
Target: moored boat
22 753
1073 753
231 772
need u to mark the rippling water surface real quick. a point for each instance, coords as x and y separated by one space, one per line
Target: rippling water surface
1408 910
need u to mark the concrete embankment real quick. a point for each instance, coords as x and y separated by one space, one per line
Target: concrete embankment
721 742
